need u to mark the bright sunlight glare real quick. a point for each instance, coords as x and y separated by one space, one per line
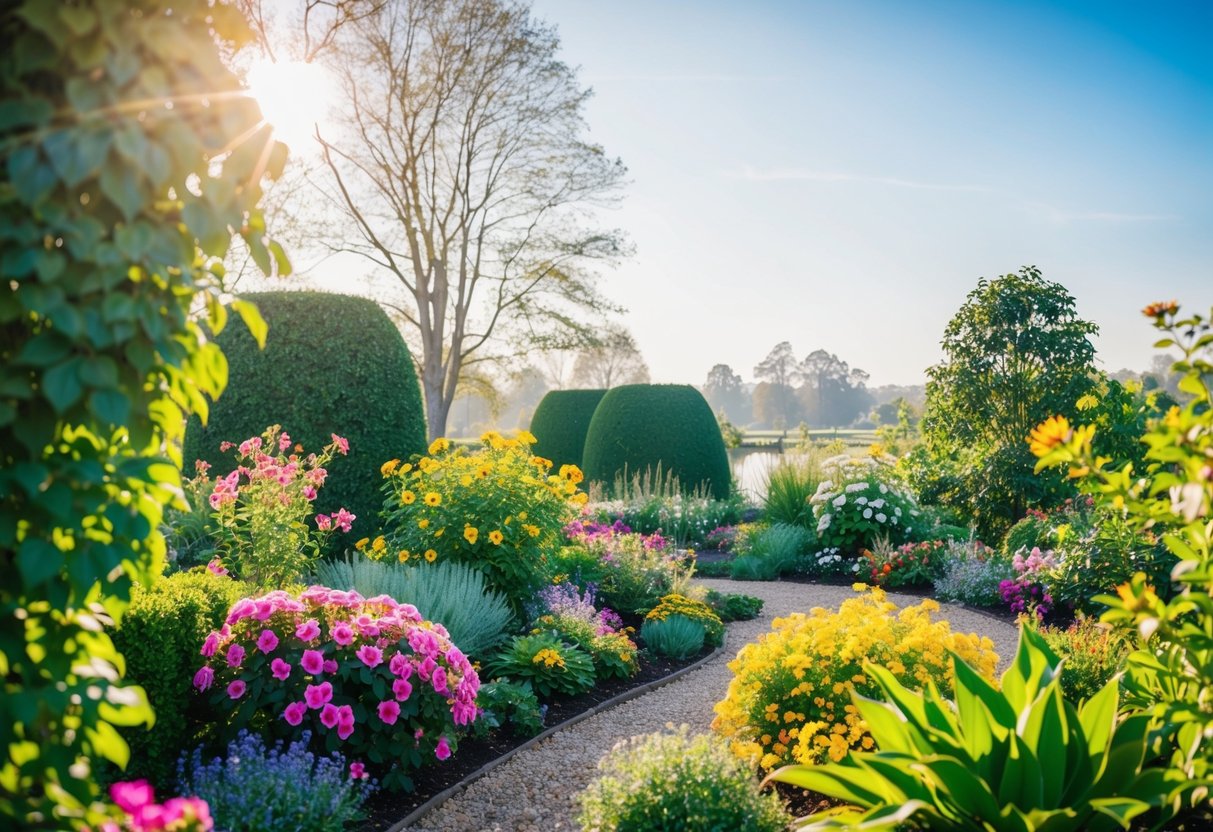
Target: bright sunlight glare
294 97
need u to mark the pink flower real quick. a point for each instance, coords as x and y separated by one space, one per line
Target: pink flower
284 441
226 446
308 630
330 665
370 656
312 661
294 713
130 797
309 494
328 716
318 695
235 655
397 663
438 681
204 677
389 711
345 722
443 750
358 771
267 641
426 668
343 445
215 567
343 520
343 634
210 645
402 689
280 669
323 521
236 689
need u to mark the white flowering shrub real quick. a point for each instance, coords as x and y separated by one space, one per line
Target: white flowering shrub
860 500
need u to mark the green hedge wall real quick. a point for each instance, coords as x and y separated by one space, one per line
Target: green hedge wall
331 364
561 422
637 426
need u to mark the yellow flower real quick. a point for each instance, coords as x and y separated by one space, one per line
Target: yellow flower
389 467
548 657
465 480
571 473
1087 402
439 445
1049 434
407 498
526 437
423 523
522 515
495 537
440 532
403 556
579 499
532 530
379 544
470 534
361 544
408 466
433 498
430 556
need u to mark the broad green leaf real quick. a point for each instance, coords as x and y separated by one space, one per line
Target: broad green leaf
1097 716
61 385
38 561
257 327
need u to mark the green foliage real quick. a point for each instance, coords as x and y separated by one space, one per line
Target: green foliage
1015 353
1093 654
640 426
189 532
105 253
1019 759
1034 530
734 606
508 705
331 364
678 637
863 501
675 604
159 638
789 487
549 665
652 502
771 552
1170 674
561 421
452 594
676 783
972 573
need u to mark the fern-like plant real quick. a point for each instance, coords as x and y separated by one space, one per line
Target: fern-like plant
450 593
678 637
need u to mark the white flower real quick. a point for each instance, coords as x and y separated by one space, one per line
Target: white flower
894 520
861 500
823 523
867 514
840 501
877 503
884 489
897 511
880 518
856 486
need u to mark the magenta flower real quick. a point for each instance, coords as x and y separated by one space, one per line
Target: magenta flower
342 444
328 716
204 677
284 441
318 695
397 663
323 521
267 641
210 645
343 634
294 713
216 568
402 689
443 750
280 669
358 771
308 630
370 656
330 665
345 722
389 711
236 689
312 661
438 681
130 797
309 494
235 655
343 520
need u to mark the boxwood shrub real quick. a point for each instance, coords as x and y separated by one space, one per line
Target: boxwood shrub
561 422
640 426
331 364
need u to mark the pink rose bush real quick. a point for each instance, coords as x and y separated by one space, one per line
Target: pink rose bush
367 677
141 812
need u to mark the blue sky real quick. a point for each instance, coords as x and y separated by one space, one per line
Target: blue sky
840 174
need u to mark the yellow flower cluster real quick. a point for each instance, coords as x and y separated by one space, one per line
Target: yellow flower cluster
790 698
695 610
548 658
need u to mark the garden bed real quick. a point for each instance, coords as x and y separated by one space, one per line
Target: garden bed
385 809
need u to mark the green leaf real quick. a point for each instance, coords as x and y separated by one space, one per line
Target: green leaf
32 179
120 184
111 407
251 316
1097 716
108 744
76 154
61 385
38 561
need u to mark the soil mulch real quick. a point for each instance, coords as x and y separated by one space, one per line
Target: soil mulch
386 808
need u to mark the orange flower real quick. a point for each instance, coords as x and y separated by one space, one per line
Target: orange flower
1049 434
1162 307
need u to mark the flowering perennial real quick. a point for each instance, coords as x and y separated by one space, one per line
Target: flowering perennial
389 685
860 501
141 812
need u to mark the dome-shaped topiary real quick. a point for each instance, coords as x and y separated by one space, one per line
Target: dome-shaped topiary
331 364
636 427
560 424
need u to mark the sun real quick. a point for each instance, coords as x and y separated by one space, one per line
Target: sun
295 97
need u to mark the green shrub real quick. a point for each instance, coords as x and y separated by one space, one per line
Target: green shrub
789 487
160 636
678 637
547 663
733 606
1093 654
678 783
449 593
675 604
972 573
561 422
508 704
771 552
331 364
714 568
1034 530
640 426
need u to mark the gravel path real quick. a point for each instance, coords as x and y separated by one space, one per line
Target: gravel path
537 789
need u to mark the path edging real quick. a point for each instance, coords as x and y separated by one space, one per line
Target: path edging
451 791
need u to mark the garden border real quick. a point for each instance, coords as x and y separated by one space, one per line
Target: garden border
446 794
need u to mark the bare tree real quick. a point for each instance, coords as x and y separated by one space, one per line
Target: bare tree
464 171
613 359
302 30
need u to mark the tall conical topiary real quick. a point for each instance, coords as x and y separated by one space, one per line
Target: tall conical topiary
561 422
638 426
331 364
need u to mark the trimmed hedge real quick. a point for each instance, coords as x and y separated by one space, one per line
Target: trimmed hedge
561 422
331 364
638 426
161 634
